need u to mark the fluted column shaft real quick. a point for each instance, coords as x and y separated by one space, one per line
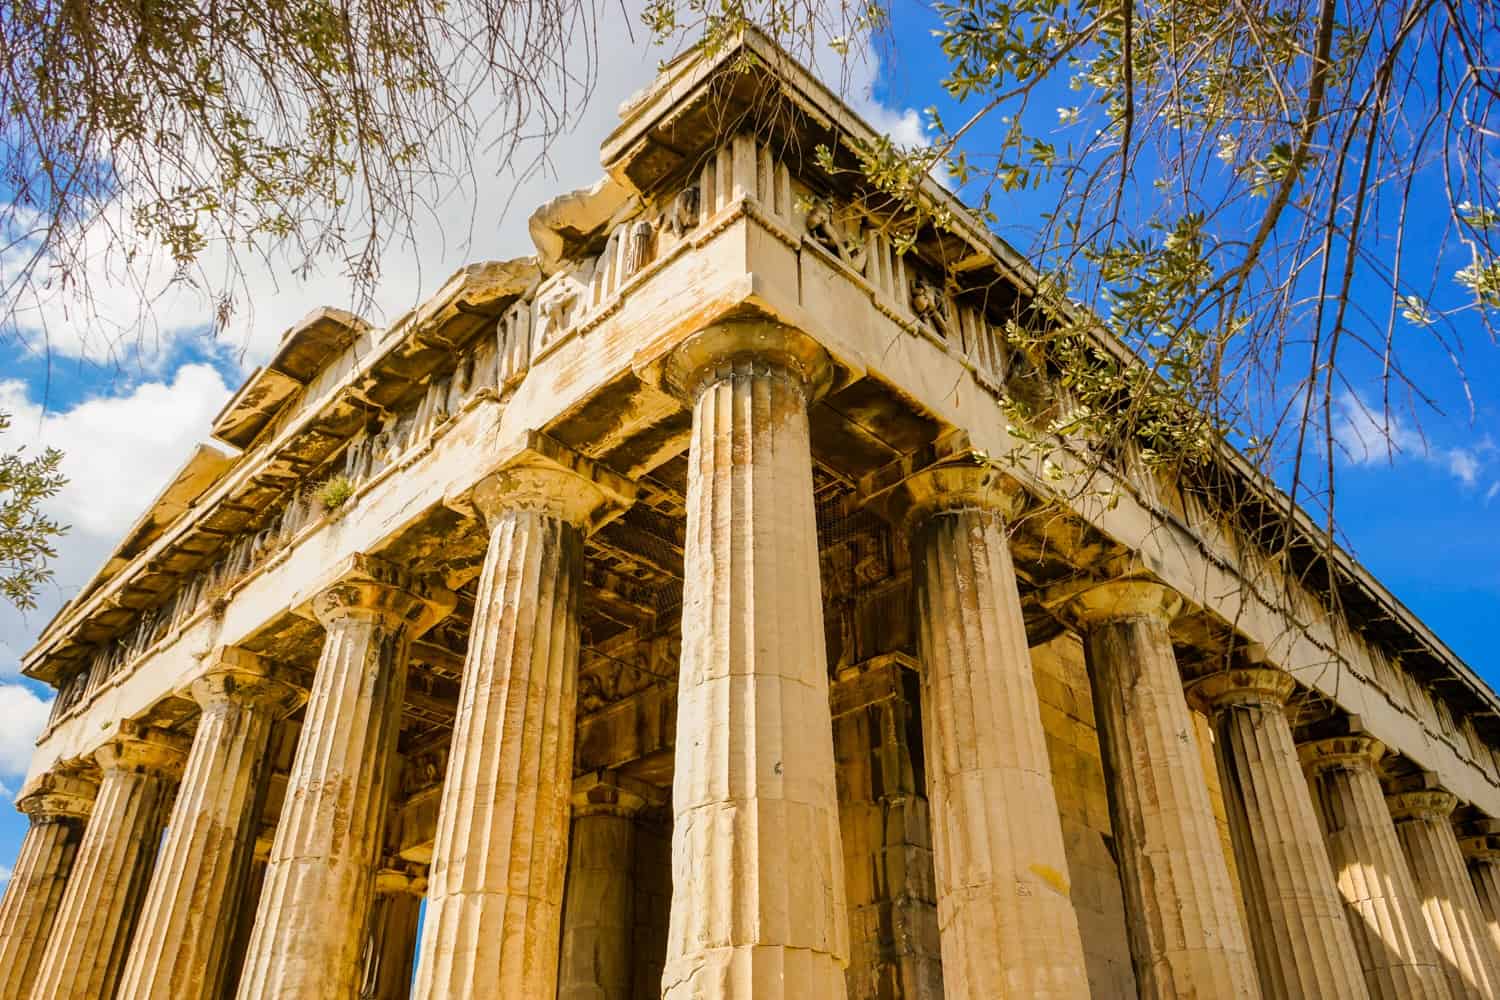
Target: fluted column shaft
392 944
188 920
495 893
244 918
58 809
1005 913
598 909
97 916
1303 945
315 901
1379 896
758 900
1449 904
1186 935
1483 855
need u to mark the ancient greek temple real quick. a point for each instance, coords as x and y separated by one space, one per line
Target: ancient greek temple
659 616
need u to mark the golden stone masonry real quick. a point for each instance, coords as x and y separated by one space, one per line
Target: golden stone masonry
662 610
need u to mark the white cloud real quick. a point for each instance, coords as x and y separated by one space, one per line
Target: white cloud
483 217
120 448
1463 464
4 874
1364 435
22 716
118 452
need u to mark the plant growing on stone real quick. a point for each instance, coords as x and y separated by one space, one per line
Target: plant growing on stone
335 492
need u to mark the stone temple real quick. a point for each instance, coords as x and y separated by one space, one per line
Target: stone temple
662 611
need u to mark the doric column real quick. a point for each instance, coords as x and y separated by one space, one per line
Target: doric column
1005 912
598 908
495 893
1384 910
887 831
315 901
244 916
97 916
58 806
1449 904
1482 851
1185 930
181 950
392 942
758 903
1302 942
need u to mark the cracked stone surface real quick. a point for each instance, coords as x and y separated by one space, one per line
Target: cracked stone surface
1186 934
311 924
1380 897
1303 945
1006 919
758 905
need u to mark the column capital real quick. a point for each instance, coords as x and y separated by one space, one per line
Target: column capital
396 877
749 346
1428 804
1121 600
58 794
947 475
542 475
365 586
239 677
1265 686
144 749
609 793
1351 751
1484 847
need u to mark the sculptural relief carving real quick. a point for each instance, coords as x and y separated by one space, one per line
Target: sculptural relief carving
682 214
825 231
638 249
931 307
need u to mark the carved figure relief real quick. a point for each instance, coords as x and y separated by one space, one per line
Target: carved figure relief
825 232
682 214
557 301
931 307
638 249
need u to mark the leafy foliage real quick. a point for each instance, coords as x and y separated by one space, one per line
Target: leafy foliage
306 129
26 534
1272 207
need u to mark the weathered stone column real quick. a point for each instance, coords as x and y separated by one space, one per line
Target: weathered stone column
1449 904
392 943
758 903
495 892
97 916
1005 912
58 806
1186 935
598 908
244 917
1379 896
1302 942
315 902
887 829
181 950
1482 851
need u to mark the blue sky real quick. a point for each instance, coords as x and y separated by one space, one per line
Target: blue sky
1425 521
